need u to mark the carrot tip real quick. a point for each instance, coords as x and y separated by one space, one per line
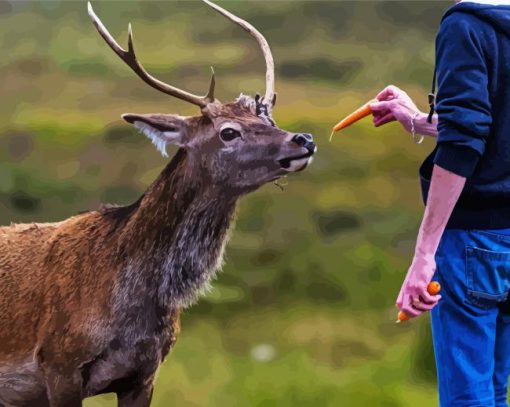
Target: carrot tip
331 136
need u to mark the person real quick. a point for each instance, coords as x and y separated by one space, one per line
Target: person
464 237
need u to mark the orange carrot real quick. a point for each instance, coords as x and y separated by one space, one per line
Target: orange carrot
433 289
358 114
402 317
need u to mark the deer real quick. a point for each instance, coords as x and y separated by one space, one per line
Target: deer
91 304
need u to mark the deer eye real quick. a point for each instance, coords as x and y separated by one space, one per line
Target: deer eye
229 134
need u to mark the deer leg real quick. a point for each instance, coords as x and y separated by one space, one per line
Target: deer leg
64 389
139 396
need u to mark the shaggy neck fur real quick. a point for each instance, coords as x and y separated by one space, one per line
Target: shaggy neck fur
173 241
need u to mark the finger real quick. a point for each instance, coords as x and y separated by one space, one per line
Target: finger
415 299
411 311
416 302
380 113
387 93
405 303
428 305
424 307
426 297
380 121
400 298
381 107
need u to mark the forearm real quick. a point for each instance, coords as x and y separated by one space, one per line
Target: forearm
425 128
444 192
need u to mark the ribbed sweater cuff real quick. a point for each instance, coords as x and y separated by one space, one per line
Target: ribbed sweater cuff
457 159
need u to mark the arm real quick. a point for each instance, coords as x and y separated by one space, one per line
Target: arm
445 190
464 110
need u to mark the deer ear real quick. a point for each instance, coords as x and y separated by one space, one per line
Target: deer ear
161 129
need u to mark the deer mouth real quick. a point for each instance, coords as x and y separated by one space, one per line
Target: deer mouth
297 163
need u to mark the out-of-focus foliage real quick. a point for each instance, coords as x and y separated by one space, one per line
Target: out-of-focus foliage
303 312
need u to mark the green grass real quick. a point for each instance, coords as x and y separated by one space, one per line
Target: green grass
321 357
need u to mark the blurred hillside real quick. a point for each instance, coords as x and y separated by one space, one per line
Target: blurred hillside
302 314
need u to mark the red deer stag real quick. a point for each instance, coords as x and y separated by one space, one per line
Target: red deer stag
90 305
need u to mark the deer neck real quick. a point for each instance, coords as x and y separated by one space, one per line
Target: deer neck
176 237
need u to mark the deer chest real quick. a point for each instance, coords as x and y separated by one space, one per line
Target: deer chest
130 356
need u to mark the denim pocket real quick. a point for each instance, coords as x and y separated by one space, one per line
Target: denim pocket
487 273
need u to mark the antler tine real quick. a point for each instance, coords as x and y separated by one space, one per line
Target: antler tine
129 57
268 56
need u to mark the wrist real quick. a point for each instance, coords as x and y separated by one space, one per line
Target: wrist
425 254
423 127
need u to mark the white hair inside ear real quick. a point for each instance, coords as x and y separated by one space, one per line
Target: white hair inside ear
159 138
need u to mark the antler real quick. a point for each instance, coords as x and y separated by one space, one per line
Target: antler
268 56
129 57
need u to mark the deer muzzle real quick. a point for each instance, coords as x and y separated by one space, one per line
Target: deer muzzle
300 161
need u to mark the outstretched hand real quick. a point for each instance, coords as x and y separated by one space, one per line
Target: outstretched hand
394 105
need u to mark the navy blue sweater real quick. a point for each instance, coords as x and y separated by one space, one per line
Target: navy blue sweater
473 106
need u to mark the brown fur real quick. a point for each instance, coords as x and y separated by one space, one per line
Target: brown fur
91 305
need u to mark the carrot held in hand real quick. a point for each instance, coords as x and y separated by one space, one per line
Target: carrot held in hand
433 289
358 114
402 317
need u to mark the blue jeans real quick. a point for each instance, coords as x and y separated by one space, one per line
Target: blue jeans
471 323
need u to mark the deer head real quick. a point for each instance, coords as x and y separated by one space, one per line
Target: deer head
234 145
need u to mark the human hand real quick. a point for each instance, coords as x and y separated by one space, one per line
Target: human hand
395 105
414 298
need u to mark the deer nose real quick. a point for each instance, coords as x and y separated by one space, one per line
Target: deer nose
304 140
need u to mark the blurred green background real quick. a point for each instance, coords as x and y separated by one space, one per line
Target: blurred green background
302 314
